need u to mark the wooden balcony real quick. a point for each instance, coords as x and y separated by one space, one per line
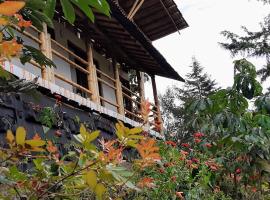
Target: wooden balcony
91 82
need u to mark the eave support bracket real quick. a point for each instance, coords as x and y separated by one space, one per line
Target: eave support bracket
136 6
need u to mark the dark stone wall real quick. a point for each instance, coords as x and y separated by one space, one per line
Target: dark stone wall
23 110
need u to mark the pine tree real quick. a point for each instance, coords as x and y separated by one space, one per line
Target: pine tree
252 44
173 103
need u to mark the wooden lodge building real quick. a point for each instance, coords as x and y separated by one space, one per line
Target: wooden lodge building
93 66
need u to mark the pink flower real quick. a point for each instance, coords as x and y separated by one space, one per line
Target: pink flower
197 140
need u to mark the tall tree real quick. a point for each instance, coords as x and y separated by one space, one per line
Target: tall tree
198 85
252 44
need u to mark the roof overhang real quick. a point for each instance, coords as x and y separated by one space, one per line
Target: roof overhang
123 40
156 18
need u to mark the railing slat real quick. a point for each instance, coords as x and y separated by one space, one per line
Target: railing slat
70 52
106 75
72 83
109 102
106 83
70 62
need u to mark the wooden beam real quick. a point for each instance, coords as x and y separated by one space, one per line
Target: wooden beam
47 73
140 76
135 9
119 94
154 86
92 76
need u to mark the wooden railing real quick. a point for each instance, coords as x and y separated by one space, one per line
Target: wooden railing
94 76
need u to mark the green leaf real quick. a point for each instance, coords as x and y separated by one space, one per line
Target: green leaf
35 143
135 130
92 136
20 135
16 175
35 4
84 6
100 191
91 179
39 163
37 56
49 9
43 18
68 10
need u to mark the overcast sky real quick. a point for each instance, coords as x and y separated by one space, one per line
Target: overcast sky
206 19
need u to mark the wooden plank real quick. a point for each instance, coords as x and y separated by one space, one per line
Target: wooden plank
140 76
139 118
92 76
119 94
106 75
47 73
108 101
73 64
129 97
29 35
70 52
72 83
106 83
133 93
154 86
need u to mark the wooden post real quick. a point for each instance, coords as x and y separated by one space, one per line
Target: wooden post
47 73
119 94
92 76
154 86
140 76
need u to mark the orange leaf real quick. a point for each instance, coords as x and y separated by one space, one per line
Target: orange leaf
146 182
9 8
149 152
10 48
51 148
36 137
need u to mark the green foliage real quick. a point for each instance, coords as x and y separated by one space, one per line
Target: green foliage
86 6
31 53
252 44
47 117
175 100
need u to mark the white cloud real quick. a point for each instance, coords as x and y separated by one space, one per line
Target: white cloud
206 19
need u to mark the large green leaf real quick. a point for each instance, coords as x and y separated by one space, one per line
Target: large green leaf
49 9
68 10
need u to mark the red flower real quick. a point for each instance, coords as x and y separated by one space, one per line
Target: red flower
173 144
208 145
195 160
238 171
198 135
169 164
197 140
185 145
161 171
173 178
